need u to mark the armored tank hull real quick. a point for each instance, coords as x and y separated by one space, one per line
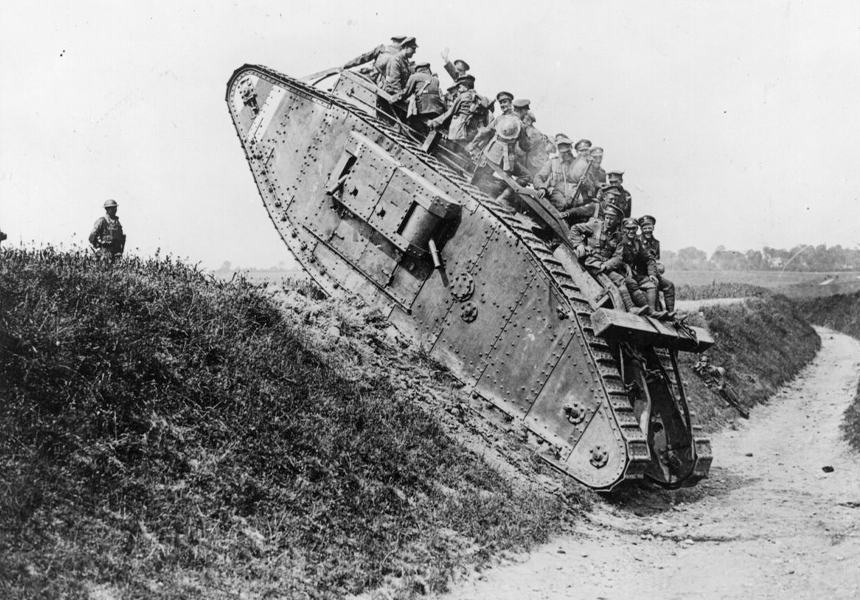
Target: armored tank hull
369 208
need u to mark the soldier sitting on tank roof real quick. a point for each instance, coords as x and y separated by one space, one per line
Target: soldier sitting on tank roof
641 276
424 98
558 182
465 115
598 244
597 174
614 193
652 244
397 70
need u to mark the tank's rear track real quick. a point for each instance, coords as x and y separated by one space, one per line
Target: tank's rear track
604 365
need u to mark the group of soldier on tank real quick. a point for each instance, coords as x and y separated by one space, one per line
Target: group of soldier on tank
569 175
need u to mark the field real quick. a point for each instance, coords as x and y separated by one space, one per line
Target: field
794 284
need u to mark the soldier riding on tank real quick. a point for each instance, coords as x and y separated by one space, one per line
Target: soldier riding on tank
558 180
652 244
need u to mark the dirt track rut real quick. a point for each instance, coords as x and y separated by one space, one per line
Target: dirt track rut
769 522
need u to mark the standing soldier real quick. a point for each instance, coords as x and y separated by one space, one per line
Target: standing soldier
456 69
397 70
379 56
652 244
107 237
560 185
425 100
464 115
614 193
506 134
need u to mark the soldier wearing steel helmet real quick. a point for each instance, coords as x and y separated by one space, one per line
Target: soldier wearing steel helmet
107 237
506 134
652 244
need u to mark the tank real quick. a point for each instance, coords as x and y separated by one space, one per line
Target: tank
372 208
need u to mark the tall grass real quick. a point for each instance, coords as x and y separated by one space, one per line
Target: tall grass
169 435
842 313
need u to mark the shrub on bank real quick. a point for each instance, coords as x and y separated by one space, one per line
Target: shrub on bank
169 435
762 343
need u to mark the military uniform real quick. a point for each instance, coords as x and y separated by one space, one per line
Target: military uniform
107 237
424 89
558 177
615 194
466 115
652 245
505 134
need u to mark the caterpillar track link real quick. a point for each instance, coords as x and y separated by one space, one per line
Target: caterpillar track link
370 208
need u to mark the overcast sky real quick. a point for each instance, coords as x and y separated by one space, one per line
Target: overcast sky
736 123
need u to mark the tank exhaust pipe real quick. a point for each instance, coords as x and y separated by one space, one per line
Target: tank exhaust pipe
434 252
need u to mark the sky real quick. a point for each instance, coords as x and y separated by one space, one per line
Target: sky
736 123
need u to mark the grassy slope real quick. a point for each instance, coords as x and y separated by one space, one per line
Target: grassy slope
166 435
761 343
842 313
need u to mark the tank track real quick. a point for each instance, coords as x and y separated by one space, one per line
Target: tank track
639 454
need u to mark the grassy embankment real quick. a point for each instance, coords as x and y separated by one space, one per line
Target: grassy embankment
167 435
762 343
842 313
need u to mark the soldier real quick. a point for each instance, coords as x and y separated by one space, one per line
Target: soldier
712 375
483 136
652 244
560 184
521 107
597 172
541 147
505 100
614 193
379 55
397 70
507 133
465 113
3 236
425 101
456 69
599 245
641 277
107 237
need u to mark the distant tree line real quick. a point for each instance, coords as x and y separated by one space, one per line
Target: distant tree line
799 258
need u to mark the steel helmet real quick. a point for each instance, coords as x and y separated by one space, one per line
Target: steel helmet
508 128
110 204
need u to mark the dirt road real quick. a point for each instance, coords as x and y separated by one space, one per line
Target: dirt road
770 522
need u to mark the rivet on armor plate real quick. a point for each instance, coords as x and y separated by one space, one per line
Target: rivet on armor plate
462 286
469 311
575 413
599 457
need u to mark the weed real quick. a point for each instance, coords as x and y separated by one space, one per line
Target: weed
170 435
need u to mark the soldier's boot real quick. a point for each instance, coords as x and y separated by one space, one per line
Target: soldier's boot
640 300
653 296
625 297
669 298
